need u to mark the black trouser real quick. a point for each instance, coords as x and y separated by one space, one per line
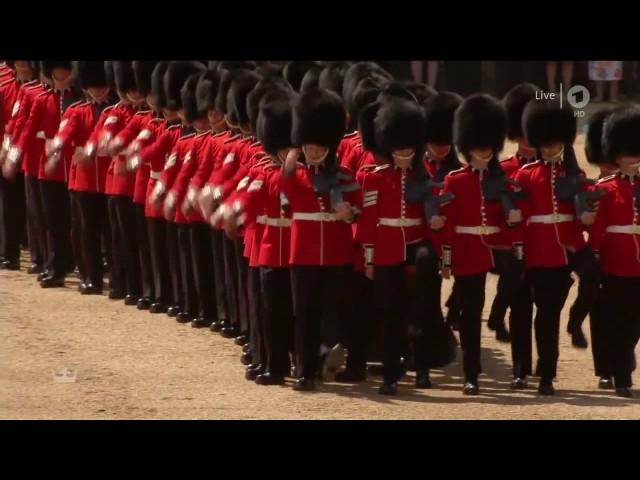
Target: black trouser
144 256
521 325
14 215
35 221
202 265
362 324
471 289
316 291
128 243
256 333
77 246
189 297
55 199
277 318
217 250
585 265
453 304
434 344
157 230
602 343
509 270
622 312
93 215
243 296
230 280
117 282
550 286
173 257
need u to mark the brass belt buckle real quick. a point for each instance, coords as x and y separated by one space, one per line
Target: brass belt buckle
556 217
484 229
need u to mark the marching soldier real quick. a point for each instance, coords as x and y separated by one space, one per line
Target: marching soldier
476 238
324 200
614 238
43 122
137 133
602 347
88 183
553 239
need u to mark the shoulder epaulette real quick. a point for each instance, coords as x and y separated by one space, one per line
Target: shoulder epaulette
220 134
608 178
173 127
255 144
370 166
156 120
529 165
351 135
110 107
79 102
188 135
198 135
141 112
381 167
6 81
43 93
508 159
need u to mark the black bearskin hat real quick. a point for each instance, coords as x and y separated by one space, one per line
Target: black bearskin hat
262 88
311 78
399 125
237 95
294 72
47 66
189 99
479 122
594 129
544 122
621 134
207 90
91 74
514 102
124 77
142 71
157 83
174 78
318 117
273 126
439 112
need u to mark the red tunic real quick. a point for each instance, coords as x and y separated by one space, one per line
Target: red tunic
473 226
388 222
550 224
615 233
317 238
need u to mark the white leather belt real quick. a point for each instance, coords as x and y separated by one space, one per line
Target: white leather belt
41 134
479 230
315 217
400 222
551 218
262 219
156 175
631 229
278 222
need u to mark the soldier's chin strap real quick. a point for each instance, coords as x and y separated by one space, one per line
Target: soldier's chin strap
315 161
403 161
556 158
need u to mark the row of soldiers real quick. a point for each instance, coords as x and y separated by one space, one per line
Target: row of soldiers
305 207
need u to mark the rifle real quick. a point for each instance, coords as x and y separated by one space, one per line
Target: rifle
422 191
570 188
496 187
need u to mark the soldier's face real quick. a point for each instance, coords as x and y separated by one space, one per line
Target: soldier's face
151 101
23 70
525 148
60 74
438 151
135 97
481 156
201 124
552 151
170 114
315 154
628 163
183 117
403 157
99 94
216 120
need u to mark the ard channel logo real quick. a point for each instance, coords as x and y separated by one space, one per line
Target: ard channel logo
578 97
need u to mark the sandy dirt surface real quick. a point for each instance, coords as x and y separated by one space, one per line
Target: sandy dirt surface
133 365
